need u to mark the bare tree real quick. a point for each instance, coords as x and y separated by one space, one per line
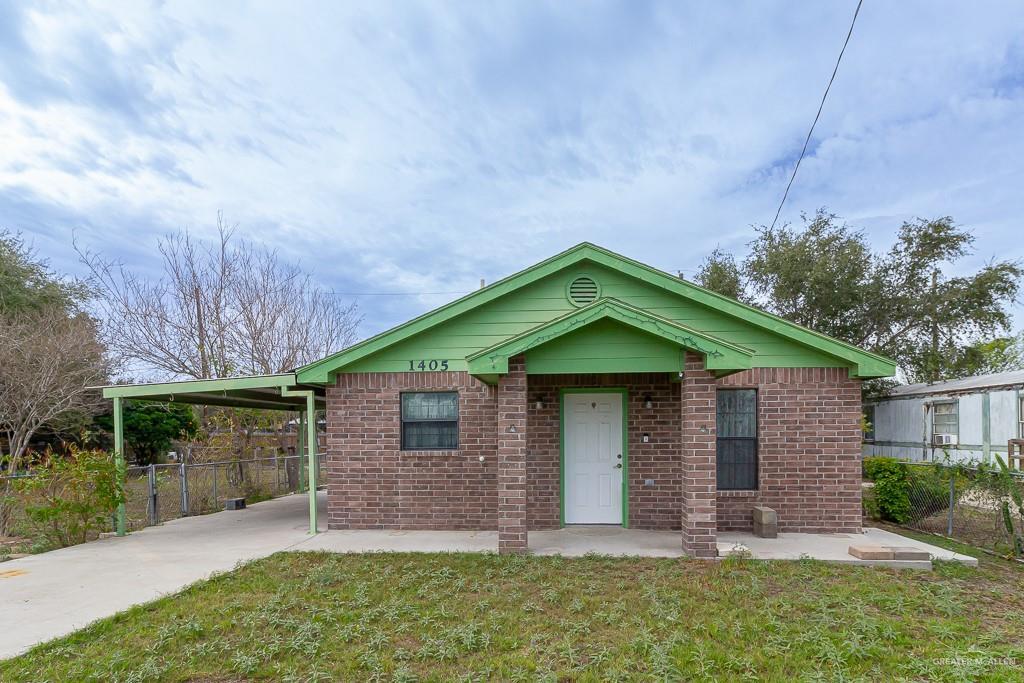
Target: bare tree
220 310
48 361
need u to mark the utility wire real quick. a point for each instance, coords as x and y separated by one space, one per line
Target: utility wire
818 115
394 293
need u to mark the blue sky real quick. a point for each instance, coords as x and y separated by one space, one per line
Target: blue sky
405 147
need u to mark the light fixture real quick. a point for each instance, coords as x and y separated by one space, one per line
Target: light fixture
539 402
648 402
512 429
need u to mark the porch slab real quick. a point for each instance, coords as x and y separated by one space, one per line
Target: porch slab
585 539
833 548
370 541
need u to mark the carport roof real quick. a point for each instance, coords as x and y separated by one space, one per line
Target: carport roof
264 392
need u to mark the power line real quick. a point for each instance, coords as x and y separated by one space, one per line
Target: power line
395 293
818 115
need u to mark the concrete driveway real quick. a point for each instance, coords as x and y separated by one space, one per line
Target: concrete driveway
50 595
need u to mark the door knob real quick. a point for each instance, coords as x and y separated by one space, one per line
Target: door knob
618 466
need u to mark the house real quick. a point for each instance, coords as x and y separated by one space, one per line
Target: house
969 419
587 389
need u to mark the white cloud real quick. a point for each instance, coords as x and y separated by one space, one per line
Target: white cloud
421 147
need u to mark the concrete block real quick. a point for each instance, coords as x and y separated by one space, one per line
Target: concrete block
766 530
871 552
764 515
909 553
234 504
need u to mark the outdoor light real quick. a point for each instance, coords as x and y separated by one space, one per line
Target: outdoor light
648 403
539 402
511 429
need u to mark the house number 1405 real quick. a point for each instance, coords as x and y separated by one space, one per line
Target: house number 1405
428 365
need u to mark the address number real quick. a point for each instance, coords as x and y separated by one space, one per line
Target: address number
422 365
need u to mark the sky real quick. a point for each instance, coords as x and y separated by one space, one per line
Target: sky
417 148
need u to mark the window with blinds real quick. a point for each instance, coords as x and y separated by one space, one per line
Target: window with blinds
430 421
945 419
737 439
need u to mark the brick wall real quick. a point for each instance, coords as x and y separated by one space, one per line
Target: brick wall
650 507
809 431
699 508
808 449
372 484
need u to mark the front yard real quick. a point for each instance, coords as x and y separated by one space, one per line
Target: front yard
323 617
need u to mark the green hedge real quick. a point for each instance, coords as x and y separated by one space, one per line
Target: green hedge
905 494
890 499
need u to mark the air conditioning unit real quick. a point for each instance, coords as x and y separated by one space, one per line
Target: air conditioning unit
944 440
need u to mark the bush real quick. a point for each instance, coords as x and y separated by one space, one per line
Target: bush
928 490
891 499
70 498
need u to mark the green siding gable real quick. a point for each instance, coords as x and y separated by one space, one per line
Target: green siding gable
537 296
605 346
545 300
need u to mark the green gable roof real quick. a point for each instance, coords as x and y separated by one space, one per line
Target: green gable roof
536 298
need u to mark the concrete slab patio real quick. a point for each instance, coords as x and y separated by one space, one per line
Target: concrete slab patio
833 548
49 595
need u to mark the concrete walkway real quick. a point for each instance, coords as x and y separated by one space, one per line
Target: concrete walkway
50 595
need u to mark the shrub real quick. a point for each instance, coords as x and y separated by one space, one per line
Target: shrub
70 498
928 489
891 498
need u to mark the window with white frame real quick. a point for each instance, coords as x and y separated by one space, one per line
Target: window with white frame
1020 417
945 419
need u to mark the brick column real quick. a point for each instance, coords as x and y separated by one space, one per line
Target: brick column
698 459
512 458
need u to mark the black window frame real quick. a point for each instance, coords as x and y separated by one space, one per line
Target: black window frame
402 421
755 439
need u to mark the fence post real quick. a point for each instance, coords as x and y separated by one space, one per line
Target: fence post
213 468
952 499
183 479
154 502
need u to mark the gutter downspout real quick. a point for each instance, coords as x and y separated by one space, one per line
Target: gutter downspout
311 448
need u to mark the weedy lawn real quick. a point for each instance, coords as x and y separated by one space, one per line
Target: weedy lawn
323 617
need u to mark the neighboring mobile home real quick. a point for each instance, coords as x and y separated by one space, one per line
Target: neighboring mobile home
587 389
970 419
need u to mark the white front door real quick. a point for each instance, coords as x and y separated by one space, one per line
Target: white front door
593 458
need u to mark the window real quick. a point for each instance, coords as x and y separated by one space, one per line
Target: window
737 439
430 421
869 423
1020 417
944 418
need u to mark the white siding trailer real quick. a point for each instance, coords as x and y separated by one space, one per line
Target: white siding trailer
970 419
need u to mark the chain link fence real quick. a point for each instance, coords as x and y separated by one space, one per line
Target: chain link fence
980 506
157 493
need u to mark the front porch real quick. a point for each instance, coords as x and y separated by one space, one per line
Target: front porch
633 450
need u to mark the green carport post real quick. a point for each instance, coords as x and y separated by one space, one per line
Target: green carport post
300 450
122 513
308 419
313 460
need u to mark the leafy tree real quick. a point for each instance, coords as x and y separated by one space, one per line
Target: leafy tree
899 303
1002 354
28 284
720 273
150 428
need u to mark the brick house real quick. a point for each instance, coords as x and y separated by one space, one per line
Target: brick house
593 389
586 389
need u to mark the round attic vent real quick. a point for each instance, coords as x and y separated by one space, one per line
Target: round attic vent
583 290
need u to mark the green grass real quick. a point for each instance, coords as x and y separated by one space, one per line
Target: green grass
324 617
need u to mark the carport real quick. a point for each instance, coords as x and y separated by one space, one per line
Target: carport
263 392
